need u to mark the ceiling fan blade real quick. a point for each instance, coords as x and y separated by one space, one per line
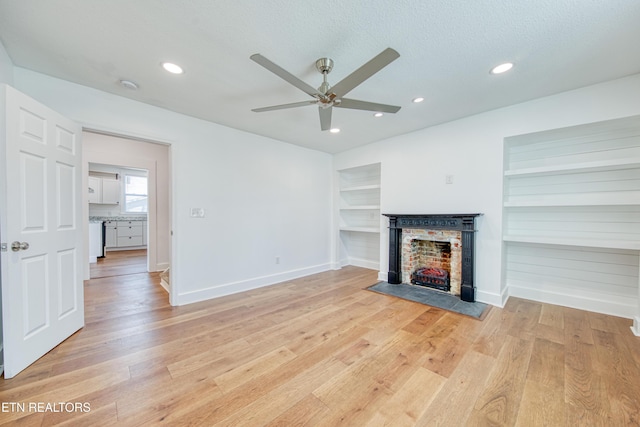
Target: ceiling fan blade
285 75
369 106
283 106
363 73
325 118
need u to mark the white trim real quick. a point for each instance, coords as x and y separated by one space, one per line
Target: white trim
623 308
336 265
383 276
224 289
636 326
498 300
364 263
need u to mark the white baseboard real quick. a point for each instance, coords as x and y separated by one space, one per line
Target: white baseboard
93 259
364 263
165 285
162 266
636 326
626 308
383 276
246 285
336 265
124 248
498 300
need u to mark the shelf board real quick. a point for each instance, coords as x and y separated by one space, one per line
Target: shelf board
360 229
572 241
600 165
360 207
572 200
361 188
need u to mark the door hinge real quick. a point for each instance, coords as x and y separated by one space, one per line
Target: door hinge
3 247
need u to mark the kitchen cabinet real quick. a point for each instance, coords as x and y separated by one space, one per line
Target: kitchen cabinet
95 189
104 191
125 234
111 236
110 191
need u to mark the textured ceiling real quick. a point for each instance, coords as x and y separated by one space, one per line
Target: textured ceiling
447 48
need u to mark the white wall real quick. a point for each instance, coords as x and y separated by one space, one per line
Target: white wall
263 198
471 149
6 67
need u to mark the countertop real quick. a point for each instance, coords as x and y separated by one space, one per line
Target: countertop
116 218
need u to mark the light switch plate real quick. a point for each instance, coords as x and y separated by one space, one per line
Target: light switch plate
197 213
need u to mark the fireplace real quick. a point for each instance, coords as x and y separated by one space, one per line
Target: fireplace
431 259
435 251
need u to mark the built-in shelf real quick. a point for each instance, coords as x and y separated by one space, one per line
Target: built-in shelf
360 208
569 241
578 200
571 216
605 165
360 229
359 215
361 188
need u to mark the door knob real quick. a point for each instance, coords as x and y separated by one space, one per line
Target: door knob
16 246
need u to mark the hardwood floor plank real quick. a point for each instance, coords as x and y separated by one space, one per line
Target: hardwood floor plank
411 401
307 412
499 402
541 405
620 374
324 351
454 403
255 367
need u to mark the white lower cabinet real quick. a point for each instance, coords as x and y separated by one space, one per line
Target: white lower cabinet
123 234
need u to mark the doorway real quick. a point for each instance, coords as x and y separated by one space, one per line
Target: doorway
147 241
118 220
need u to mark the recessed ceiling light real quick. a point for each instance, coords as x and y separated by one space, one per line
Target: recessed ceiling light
378 114
172 68
418 99
128 84
334 130
502 68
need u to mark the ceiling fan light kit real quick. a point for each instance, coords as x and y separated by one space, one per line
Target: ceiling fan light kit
326 96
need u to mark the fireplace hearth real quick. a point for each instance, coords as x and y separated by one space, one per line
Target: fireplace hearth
433 250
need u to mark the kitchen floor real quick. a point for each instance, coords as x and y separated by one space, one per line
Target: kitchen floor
119 263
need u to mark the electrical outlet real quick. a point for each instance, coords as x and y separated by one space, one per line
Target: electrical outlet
277 260
448 179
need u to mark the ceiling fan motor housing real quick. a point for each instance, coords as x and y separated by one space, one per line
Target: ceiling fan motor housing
324 65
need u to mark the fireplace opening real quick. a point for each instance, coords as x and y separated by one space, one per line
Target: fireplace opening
431 278
431 264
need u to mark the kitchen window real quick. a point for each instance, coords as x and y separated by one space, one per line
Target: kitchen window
135 194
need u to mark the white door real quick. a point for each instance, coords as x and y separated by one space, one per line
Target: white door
41 223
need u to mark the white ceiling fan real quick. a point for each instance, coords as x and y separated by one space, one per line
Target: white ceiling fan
327 96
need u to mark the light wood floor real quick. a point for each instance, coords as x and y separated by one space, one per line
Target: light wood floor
321 351
119 263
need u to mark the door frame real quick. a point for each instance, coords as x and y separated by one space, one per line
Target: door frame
138 163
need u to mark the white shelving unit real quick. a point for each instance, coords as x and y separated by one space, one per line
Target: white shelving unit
572 216
359 216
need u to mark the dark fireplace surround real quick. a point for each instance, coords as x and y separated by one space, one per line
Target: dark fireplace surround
465 223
